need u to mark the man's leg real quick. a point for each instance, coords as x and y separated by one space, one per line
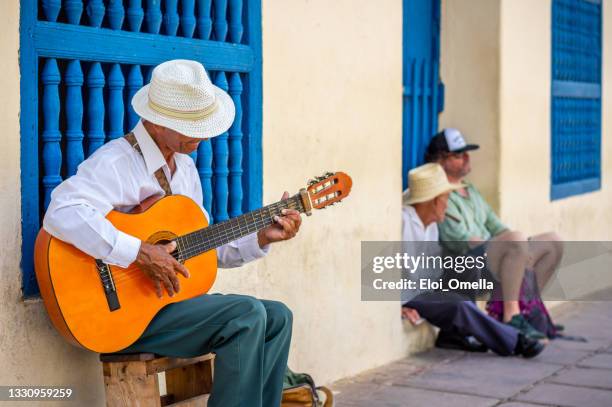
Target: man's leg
276 350
546 251
507 257
235 328
471 320
450 312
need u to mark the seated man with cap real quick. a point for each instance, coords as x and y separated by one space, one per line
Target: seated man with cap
471 225
462 324
179 109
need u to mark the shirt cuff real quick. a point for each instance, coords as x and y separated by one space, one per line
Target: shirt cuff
125 250
249 248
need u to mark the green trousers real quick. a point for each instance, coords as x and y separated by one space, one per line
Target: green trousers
250 339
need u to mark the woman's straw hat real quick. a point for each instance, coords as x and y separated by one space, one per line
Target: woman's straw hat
427 182
181 97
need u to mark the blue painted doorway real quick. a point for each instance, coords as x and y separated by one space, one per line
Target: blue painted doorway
423 96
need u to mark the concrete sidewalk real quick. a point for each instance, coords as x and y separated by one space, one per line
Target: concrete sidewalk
564 374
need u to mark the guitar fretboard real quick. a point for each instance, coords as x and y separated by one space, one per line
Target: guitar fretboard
203 240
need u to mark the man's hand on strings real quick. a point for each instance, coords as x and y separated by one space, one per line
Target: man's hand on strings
158 264
284 227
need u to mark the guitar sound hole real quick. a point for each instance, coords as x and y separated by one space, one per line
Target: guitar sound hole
175 253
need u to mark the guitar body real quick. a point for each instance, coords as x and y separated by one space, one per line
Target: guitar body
73 292
105 308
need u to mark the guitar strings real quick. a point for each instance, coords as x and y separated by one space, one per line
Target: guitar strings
128 273
216 235
219 234
218 240
223 233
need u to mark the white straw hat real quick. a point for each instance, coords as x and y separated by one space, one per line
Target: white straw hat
181 97
427 182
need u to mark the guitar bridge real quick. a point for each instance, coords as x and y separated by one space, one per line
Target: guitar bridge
108 284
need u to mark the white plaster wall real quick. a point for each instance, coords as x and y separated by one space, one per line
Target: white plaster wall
469 60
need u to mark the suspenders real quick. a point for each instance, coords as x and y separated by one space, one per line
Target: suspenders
159 174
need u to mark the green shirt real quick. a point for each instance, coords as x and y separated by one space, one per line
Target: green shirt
468 217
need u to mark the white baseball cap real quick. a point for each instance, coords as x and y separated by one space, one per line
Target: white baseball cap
449 141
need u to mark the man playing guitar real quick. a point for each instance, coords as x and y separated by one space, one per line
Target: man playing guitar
179 109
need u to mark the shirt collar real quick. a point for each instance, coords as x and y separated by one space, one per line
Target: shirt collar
153 157
455 194
415 218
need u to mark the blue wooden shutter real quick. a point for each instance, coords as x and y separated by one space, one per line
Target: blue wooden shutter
576 97
423 96
81 62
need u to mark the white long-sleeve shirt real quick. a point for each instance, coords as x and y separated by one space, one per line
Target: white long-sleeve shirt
419 239
117 177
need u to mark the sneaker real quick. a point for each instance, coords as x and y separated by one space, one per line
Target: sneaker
519 322
459 342
528 348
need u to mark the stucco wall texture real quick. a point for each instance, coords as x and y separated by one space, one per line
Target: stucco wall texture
469 68
332 101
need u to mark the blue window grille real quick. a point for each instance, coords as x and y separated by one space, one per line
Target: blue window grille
576 97
81 62
423 96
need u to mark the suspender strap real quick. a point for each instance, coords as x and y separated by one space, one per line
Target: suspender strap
159 174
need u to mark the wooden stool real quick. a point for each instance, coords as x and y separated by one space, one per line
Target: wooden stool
131 380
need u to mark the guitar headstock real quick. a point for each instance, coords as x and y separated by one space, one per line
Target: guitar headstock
326 190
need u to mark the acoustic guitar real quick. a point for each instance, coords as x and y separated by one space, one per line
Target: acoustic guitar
105 308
